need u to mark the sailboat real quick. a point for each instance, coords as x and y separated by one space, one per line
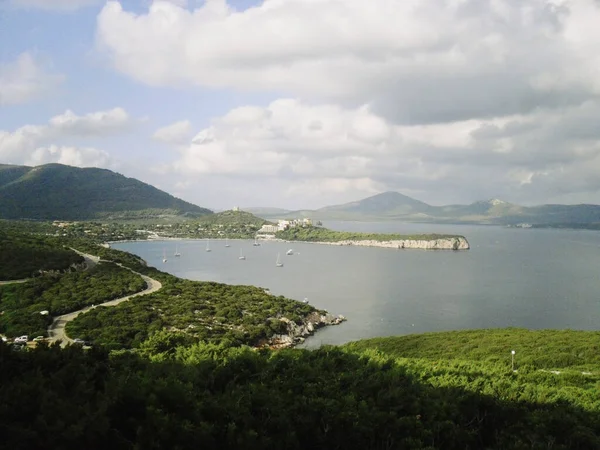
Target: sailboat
207 246
227 243
278 263
164 256
176 252
241 255
256 243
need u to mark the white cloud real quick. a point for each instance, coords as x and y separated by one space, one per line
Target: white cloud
414 61
291 138
98 123
340 154
54 5
176 133
24 79
36 144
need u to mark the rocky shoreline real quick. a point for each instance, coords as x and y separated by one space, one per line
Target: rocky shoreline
451 243
296 334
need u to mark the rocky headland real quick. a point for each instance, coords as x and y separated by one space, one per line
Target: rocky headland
451 243
297 333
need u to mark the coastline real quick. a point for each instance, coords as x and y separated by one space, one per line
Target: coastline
295 333
450 243
454 243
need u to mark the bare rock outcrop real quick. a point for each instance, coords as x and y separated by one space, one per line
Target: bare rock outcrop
297 333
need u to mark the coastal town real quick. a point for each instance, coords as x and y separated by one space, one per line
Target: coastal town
233 224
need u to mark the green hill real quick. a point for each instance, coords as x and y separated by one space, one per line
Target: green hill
59 192
232 218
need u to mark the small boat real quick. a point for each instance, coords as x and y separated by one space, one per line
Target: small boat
289 252
207 246
305 300
176 252
256 243
227 243
278 263
242 257
164 256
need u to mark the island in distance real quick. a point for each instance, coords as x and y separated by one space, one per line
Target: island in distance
396 206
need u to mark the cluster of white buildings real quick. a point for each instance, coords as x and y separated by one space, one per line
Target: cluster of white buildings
285 224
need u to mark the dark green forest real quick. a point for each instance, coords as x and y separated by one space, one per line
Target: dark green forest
320 234
24 255
170 394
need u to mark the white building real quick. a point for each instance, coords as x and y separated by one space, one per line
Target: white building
269 229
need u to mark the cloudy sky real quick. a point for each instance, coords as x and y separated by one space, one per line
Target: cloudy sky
305 103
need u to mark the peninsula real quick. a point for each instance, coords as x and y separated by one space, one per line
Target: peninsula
321 235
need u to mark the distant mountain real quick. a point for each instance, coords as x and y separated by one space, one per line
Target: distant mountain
386 204
396 206
56 191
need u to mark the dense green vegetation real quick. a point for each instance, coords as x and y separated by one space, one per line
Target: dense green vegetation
206 311
539 349
231 224
20 304
173 394
184 379
319 234
203 310
25 255
56 191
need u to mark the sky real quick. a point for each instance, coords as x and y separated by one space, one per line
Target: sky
307 103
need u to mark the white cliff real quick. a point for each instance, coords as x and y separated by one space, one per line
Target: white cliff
450 243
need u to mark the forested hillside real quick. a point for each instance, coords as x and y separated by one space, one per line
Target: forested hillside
25 255
56 191
60 294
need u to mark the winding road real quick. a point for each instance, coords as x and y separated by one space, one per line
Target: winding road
56 331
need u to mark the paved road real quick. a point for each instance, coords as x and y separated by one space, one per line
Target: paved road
24 280
56 331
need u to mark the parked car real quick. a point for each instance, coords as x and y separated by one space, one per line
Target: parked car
38 339
79 341
21 340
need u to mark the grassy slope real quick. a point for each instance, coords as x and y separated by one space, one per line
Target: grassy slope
541 349
553 366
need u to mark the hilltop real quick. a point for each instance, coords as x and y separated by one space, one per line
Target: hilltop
232 218
60 192
396 206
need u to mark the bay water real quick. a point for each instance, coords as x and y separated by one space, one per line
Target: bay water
531 278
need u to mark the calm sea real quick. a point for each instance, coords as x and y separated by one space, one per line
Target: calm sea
510 278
